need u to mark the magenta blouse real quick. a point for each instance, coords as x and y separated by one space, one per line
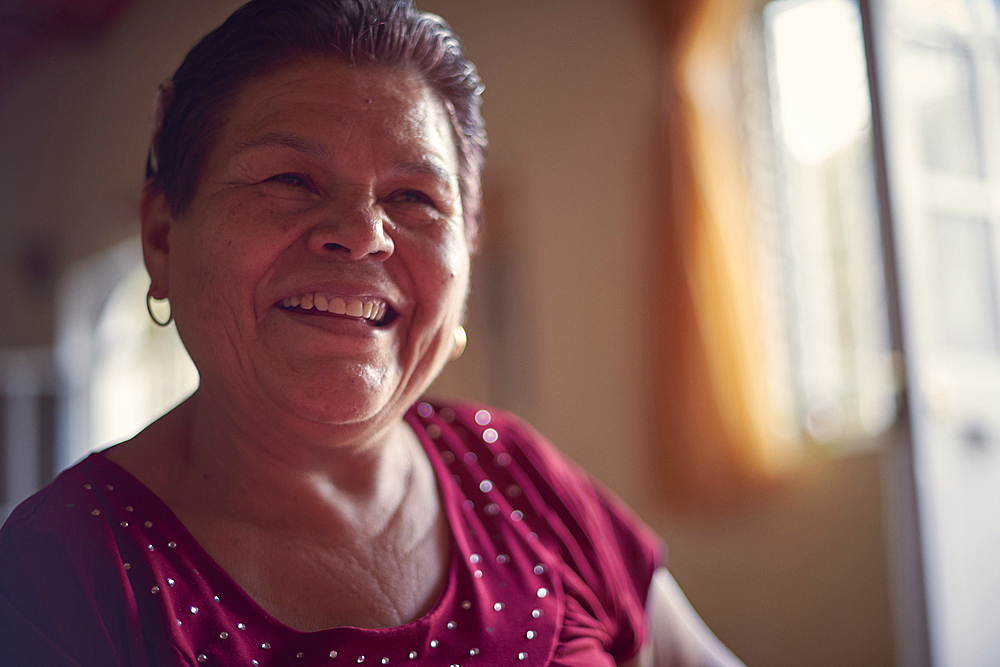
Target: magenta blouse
546 569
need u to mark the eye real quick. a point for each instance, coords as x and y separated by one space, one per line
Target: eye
294 180
411 197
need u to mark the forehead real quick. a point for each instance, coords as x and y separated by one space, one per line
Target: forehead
336 104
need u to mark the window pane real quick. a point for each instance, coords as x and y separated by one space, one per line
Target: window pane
944 87
965 278
830 257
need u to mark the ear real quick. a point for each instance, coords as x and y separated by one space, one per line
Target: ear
156 224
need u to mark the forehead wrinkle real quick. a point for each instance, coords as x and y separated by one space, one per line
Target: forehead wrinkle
290 140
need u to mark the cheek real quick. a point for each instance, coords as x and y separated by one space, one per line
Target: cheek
454 275
221 258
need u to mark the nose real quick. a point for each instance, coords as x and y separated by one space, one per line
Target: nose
352 232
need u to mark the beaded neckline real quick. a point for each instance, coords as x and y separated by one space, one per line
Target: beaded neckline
497 570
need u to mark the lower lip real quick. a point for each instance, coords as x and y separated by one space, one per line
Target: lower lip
325 319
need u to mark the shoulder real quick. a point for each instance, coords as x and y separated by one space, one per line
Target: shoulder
511 441
561 485
605 553
54 513
60 575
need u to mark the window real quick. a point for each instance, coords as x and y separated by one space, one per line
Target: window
811 164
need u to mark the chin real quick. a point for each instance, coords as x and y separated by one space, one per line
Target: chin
352 399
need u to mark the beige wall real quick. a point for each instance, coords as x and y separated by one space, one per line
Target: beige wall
570 104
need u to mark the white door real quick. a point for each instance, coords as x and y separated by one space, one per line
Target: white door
938 64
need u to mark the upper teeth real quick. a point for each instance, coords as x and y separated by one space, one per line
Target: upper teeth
370 310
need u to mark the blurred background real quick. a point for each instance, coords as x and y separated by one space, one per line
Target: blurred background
739 264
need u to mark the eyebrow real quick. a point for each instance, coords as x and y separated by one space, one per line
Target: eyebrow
426 167
287 140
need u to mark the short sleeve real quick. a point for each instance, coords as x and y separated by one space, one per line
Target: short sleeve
61 599
608 554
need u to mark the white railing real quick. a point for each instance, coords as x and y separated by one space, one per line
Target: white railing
28 391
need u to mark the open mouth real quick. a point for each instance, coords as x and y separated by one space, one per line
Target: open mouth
372 311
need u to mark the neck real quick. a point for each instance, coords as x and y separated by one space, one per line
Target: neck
277 476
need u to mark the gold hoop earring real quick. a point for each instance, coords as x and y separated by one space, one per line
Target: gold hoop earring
149 309
461 340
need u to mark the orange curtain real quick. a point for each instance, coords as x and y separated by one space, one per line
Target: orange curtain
712 410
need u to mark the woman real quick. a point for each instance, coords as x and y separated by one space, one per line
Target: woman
311 206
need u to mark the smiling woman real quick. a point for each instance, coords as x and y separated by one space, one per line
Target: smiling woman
315 190
310 214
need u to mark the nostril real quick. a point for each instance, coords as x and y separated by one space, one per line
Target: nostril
334 246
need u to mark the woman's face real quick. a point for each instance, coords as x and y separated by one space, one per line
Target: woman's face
329 186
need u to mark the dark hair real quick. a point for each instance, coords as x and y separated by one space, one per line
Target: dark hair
263 35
